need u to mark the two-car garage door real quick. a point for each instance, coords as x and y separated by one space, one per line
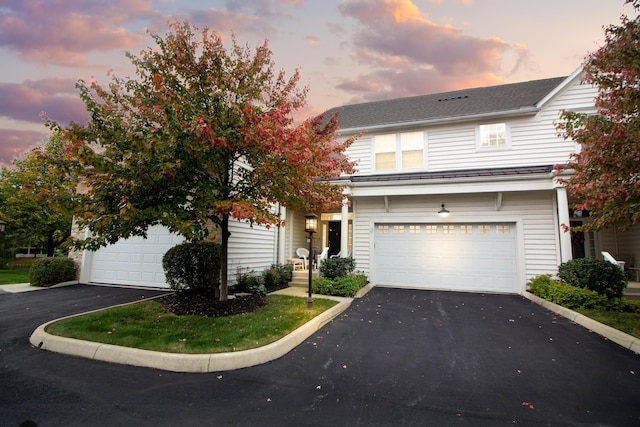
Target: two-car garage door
135 261
464 257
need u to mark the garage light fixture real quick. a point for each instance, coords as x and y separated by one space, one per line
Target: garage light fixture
443 212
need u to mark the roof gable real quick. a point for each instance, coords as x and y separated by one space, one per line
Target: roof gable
447 105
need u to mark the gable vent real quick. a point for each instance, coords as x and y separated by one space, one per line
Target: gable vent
453 98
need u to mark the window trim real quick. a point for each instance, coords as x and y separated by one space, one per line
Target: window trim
398 153
507 131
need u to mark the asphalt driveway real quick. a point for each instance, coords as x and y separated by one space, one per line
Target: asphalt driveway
395 357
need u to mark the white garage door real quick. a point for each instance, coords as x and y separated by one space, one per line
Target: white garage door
464 257
135 261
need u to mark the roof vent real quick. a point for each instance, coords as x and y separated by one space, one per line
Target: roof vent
452 98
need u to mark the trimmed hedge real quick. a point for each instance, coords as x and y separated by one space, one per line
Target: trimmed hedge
275 277
46 272
346 286
597 275
193 267
573 297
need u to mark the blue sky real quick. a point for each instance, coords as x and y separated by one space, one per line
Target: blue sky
348 51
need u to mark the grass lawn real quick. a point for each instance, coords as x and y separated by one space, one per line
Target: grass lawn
9 277
148 325
626 322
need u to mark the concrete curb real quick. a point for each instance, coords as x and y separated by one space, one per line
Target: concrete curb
625 340
177 362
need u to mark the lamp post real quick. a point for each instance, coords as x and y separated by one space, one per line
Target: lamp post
310 226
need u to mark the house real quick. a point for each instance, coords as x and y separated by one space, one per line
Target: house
454 191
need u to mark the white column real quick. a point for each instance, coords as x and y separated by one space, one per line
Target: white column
344 227
564 222
281 235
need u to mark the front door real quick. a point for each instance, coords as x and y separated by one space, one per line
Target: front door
334 237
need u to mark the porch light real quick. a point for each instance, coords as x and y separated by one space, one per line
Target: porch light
310 226
443 212
311 223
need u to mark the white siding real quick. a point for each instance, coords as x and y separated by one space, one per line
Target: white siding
534 139
250 248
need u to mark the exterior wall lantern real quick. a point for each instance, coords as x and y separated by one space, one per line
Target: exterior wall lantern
310 226
2 226
443 212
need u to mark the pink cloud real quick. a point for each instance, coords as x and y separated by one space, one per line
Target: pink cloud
15 142
62 32
396 27
388 84
56 97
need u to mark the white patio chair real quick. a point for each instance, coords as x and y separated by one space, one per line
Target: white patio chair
324 255
339 254
304 254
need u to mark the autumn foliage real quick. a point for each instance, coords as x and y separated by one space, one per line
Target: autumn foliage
202 135
606 172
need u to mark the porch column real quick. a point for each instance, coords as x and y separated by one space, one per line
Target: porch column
344 228
281 235
564 221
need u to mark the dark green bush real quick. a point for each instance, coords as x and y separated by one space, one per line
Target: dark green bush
346 286
337 267
566 295
51 271
251 282
597 275
193 267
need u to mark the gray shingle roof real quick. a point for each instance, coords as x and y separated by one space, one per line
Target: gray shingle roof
446 105
467 173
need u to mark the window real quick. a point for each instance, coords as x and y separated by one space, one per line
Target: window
502 229
493 135
398 229
448 229
414 229
399 151
484 229
431 229
383 229
385 148
466 229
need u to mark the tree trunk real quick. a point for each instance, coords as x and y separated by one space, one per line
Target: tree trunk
224 227
50 245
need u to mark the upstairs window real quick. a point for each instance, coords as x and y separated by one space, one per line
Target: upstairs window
493 135
399 151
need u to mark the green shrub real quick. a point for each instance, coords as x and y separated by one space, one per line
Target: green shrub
193 267
597 275
566 295
285 271
50 271
346 286
337 267
251 282
322 286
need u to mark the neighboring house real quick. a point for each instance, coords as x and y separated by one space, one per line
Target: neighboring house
485 155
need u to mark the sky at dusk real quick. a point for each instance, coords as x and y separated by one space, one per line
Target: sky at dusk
348 51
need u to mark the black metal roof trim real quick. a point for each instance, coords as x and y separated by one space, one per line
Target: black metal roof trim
467 173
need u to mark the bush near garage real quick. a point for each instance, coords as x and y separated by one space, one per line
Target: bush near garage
193 267
337 267
597 275
345 286
575 298
45 272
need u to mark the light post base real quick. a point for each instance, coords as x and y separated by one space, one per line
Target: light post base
310 303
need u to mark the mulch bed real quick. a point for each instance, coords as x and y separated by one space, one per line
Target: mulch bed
205 303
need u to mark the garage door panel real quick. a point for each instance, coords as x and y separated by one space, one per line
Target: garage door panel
460 257
135 261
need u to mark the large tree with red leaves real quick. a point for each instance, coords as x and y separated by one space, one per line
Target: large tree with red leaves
606 172
203 134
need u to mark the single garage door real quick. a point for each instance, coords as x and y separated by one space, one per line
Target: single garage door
135 261
464 257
